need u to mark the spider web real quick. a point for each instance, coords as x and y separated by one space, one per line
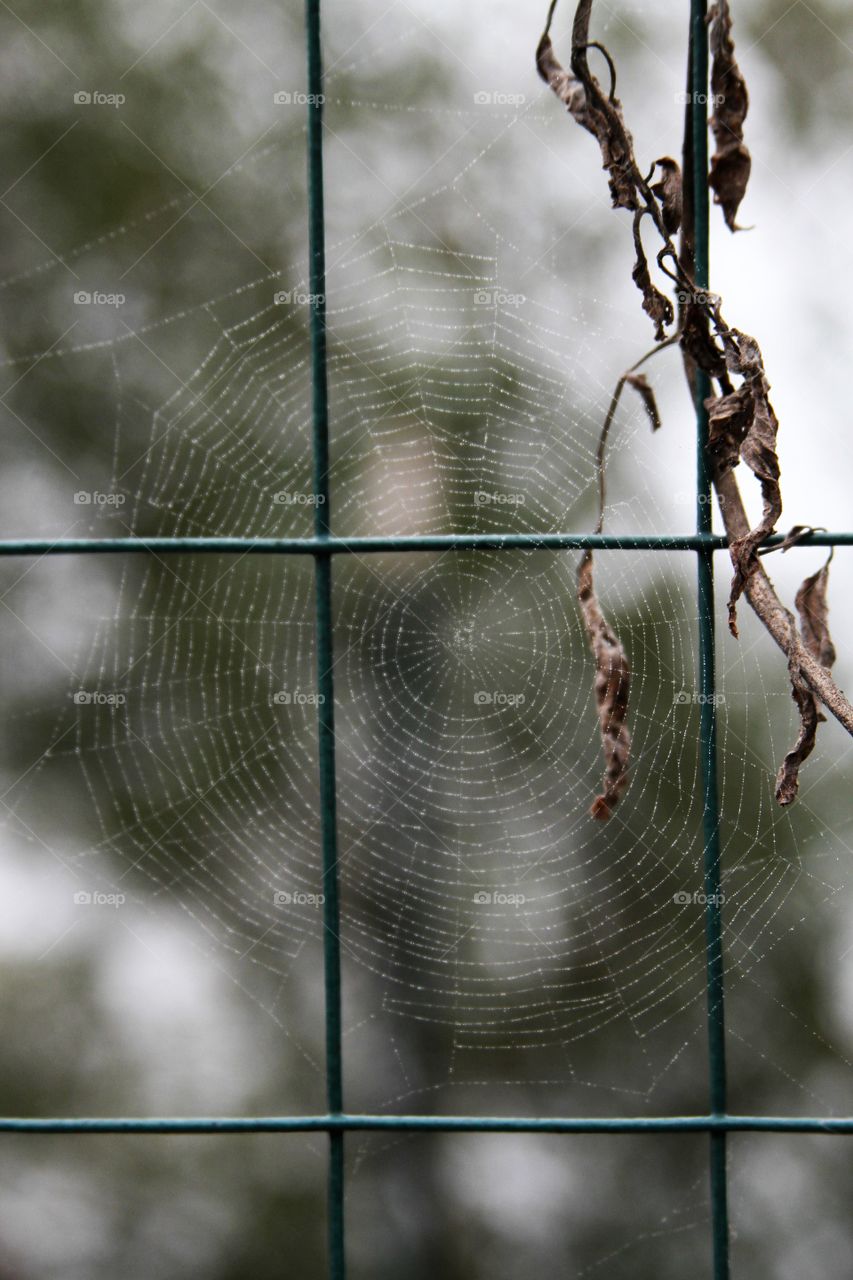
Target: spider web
478 895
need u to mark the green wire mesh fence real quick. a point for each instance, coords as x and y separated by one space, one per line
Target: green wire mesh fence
323 546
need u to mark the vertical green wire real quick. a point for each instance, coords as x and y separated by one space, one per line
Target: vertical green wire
707 677
325 658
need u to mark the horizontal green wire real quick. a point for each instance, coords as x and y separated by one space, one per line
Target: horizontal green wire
443 1124
436 542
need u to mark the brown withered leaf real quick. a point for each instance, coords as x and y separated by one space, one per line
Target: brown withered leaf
697 343
642 386
612 673
729 420
606 120
655 304
612 684
813 611
741 425
591 108
731 162
788 777
568 89
668 192
759 453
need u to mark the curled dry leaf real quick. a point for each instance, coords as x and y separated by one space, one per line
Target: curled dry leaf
731 162
569 90
612 682
813 608
604 118
668 192
788 777
599 114
655 304
743 425
729 420
697 343
643 388
612 673
759 454
813 611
